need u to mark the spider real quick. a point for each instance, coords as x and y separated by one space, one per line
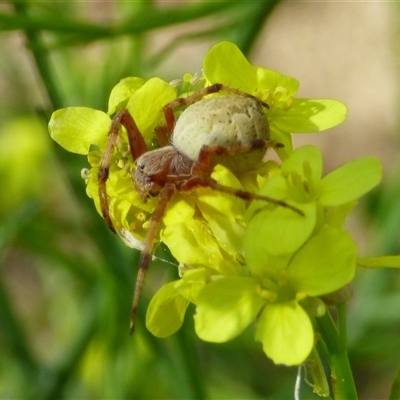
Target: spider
231 130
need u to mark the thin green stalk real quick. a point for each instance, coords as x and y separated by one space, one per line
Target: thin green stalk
12 329
40 54
342 324
188 370
15 339
395 389
62 24
170 47
136 24
246 36
183 366
61 375
316 369
341 375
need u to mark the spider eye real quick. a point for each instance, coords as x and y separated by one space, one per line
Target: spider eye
141 167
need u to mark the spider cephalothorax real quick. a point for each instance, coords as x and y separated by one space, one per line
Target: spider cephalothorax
156 168
229 130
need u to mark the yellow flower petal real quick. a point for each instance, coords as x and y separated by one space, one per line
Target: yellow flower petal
77 128
286 333
226 307
166 311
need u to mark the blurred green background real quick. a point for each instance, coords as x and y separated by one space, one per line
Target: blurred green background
66 282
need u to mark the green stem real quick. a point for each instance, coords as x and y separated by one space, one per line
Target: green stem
134 24
13 331
335 340
316 369
342 324
395 389
14 337
40 55
246 37
61 374
183 364
188 366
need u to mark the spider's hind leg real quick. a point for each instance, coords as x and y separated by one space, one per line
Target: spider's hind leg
202 168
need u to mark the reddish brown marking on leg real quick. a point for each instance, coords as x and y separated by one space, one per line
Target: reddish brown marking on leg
206 152
165 195
137 148
218 87
197 181
137 144
215 88
104 168
163 135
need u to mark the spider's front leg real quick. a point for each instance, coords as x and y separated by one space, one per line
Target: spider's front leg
137 147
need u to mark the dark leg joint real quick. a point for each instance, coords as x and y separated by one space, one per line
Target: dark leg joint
103 174
215 88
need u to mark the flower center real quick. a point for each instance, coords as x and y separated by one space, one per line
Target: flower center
276 291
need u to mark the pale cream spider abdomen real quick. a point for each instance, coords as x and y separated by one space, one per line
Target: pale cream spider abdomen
226 121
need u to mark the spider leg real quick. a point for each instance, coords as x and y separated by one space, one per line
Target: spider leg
165 195
185 101
137 147
202 169
162 134
205 163
213 184
207 152
104 168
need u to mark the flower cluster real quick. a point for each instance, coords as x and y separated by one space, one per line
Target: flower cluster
270 266
241 262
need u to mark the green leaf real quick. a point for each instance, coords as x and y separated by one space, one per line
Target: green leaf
226 307
350 181
77 128
166 311
286 333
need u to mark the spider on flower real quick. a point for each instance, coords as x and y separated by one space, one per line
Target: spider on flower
231 130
